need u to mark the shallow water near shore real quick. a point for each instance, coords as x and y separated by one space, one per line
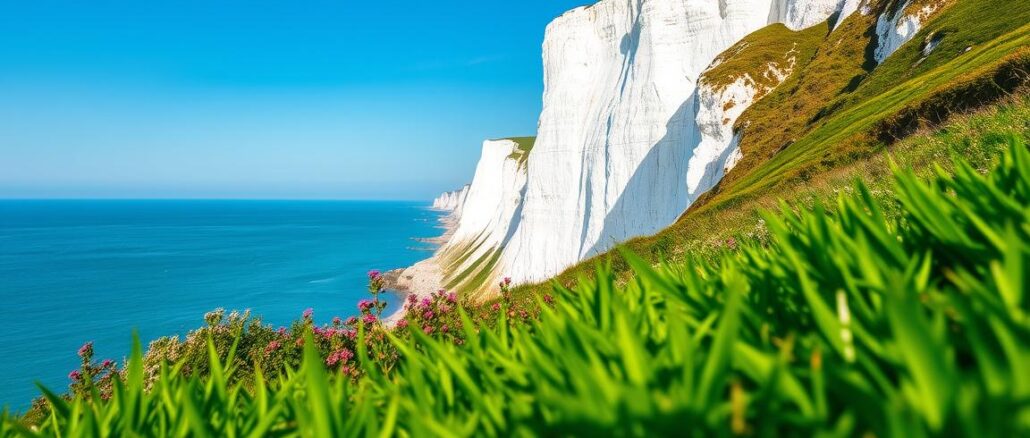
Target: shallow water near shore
74 271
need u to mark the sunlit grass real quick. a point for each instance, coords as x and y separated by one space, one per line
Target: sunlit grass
845 321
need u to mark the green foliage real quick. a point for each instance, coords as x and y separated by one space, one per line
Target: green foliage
833 126
774 45
962 25
844 322
523 145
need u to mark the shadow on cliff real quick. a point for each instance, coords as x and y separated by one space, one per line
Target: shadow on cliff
516 217
656 194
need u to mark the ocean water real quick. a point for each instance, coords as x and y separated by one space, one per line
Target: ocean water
76 271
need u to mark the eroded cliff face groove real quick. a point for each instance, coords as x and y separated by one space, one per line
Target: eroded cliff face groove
630 134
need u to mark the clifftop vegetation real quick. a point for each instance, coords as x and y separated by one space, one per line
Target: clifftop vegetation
523 146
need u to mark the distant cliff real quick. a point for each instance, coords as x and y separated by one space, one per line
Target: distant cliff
451 201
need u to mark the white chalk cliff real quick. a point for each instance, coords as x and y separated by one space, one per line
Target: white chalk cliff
451 201
494 200
630 135
495 196
626 142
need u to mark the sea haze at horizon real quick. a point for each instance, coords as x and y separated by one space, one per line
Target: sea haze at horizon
93 270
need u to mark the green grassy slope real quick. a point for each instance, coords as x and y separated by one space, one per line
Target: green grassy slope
773 45
849 321
839 114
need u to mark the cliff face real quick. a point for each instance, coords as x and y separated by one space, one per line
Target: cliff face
626 140
494 198
451 201
479 224
483 219
632 130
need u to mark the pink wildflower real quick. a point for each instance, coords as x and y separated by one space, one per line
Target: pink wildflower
507 281
272 346
336 320
374 275
548 299
352 320
75 375
364 305
412 298
282 331
428 330
496 307
308 313
369 318
452 297
444 328
428 315
106 363
402 323
86 350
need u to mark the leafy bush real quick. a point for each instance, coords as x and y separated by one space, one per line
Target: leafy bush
844 323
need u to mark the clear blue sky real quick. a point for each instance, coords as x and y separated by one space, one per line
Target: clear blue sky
374 99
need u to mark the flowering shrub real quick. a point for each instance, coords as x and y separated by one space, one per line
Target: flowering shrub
90 375
516 309
275 350
337 341
375 287
435 315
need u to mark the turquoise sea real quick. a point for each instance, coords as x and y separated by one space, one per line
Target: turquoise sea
75 271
